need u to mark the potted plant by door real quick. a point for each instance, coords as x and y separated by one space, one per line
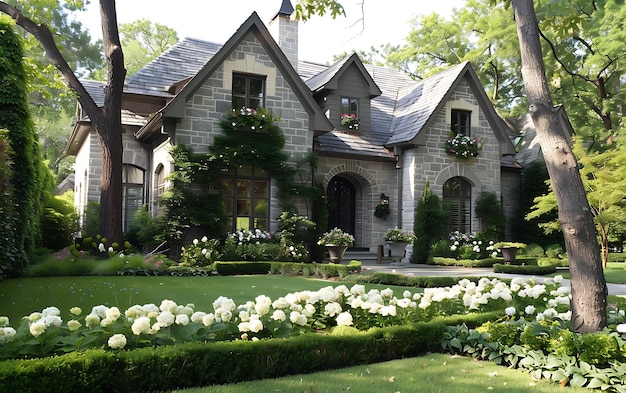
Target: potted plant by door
337 242
509 250
397 239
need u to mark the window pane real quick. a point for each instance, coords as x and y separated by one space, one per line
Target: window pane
243 207
228 206
256 88
260 189
260 208
243 188
260 223
254 103
244 171
239 102
239 85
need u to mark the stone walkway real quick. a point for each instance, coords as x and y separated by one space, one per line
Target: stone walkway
452 271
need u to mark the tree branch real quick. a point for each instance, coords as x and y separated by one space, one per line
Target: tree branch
44 36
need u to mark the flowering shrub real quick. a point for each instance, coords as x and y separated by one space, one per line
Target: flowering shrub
200 252
252 119
44 333
463 146
469 246
350 120
398 235
255 236
336 237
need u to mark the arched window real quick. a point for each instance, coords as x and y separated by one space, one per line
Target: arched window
457 198
132 194
246 198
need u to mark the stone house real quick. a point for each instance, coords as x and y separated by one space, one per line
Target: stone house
180 97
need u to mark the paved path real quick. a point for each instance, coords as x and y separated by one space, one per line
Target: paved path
432 270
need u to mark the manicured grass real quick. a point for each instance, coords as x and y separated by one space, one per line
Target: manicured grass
21 296
614 273
429 374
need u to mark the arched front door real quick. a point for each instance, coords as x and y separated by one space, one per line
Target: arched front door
341 204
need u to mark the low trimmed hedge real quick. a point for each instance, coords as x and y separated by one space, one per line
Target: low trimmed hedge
443 261
204 364
410 281
523 269
321 270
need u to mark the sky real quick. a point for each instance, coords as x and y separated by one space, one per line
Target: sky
385 21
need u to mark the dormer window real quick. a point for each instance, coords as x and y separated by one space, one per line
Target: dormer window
248 91
461 122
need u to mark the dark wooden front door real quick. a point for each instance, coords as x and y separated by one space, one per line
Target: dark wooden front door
341 204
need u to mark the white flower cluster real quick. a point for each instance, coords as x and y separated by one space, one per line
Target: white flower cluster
324 308
247 236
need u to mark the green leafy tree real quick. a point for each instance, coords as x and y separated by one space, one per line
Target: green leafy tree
429 226
24 175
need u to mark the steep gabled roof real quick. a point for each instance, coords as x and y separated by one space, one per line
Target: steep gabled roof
181 61
418 103
329 78
176 107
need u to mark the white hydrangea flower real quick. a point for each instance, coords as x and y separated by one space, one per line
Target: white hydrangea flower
332 309
208 319
6 334
255 324
244 327
92 320
279 315
99 310
112 313
35 316
182 319
205 239
344 319
76 311
117 341
357 290
530 309
263 304
168 305
621 328
510 311
297 319
37 328
197 317
50 311
73 325
166 319
52 320
141 325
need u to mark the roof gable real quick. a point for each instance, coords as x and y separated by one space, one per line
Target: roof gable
418 104
253 25
329 78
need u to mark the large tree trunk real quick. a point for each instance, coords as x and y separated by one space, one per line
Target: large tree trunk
589 289
107 120
109 127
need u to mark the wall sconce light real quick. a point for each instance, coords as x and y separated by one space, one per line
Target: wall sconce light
384 199
382 210
397 162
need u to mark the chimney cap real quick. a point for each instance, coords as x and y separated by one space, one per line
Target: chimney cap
286 9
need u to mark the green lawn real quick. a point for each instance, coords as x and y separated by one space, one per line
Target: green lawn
428 374
614 273
21 296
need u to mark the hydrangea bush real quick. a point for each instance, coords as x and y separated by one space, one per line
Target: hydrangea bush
45 333
465 246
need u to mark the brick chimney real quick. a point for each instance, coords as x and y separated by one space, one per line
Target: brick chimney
285 32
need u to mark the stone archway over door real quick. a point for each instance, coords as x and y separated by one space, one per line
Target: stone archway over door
341 194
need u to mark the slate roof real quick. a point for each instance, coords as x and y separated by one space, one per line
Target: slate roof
419 101
180 62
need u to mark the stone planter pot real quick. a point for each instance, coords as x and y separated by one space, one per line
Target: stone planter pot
397 250
336 252
509 254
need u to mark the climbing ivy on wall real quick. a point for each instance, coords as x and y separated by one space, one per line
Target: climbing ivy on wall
249 138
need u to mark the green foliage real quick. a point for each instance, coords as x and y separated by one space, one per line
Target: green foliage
92 218
554 251
200 253
145 230
143 42
429 225
523 269
60 221
532 250
25 180
234 250
8 247
488 209
599 348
